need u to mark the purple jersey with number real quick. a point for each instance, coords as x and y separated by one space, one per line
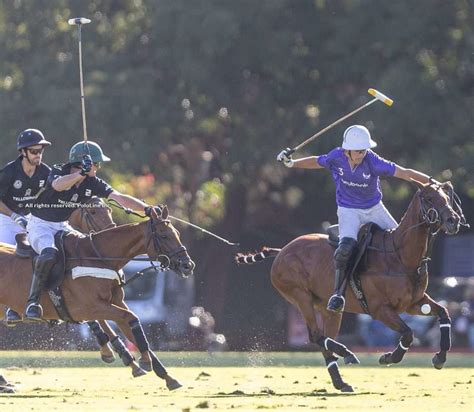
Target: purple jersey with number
358 188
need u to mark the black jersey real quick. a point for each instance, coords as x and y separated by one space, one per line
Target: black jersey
17 189
55 206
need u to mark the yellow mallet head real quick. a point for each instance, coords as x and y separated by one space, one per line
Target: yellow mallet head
381 97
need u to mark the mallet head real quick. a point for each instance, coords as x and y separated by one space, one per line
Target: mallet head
380 96
78 20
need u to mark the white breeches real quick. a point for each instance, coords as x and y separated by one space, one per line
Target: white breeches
350 220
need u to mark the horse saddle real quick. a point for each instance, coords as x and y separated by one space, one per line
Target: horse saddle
57 273
356 264
24 251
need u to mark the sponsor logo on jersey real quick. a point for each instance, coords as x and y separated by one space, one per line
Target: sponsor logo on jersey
17 184
366 175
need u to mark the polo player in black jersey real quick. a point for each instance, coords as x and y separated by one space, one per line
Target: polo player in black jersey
20 183
68 187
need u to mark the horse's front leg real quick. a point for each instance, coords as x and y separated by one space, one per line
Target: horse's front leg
103 339
391 319
134 332
428 307
121 349
145 361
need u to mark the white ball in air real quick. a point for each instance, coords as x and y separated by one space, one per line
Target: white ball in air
425 308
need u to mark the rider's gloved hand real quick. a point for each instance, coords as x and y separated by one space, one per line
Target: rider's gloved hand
86 165
148 210
19 219
285 157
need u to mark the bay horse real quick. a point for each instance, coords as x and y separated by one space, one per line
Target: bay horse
90 298
394 278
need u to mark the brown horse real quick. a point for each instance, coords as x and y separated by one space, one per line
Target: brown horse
97 298
394 278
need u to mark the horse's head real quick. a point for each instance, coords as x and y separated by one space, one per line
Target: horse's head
94 216
440 206
163 239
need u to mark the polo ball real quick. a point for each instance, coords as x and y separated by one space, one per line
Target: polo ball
425 308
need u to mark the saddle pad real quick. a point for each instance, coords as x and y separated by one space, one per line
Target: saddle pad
80 271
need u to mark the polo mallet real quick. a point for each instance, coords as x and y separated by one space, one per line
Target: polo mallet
79 21
377 97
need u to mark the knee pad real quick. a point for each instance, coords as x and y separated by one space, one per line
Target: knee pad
344 251
46 260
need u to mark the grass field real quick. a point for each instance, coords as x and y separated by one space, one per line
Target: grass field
79 381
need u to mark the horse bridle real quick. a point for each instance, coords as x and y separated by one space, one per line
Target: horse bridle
432 216
151 235
86 216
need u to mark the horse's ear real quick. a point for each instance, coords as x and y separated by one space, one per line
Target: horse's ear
447 185
417 184
164 212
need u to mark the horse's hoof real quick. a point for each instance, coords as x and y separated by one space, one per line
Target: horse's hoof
137 372
347 388
7 389
172 384
145 365
351 360
385 359
107 358
437 362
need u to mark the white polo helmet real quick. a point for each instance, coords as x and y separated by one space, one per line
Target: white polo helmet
357 137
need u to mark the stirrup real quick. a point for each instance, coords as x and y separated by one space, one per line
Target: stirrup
336 303
12 318
34 313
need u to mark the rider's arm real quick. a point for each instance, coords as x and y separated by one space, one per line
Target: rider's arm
310 162
127 201
65 182
407 174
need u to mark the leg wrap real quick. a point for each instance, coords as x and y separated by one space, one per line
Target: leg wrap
98 332
122 351
333 346
333 369
158 367
445 328
398 353
139 335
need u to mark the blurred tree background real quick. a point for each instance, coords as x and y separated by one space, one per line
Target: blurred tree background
193 100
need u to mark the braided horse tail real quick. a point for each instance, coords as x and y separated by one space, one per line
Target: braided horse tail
251 258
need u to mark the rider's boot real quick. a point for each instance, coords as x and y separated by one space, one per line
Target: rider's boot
341 257
43 265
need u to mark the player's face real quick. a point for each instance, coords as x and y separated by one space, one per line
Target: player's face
357 156
34 154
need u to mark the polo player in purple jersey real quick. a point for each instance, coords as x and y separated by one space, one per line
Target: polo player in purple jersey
356 170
